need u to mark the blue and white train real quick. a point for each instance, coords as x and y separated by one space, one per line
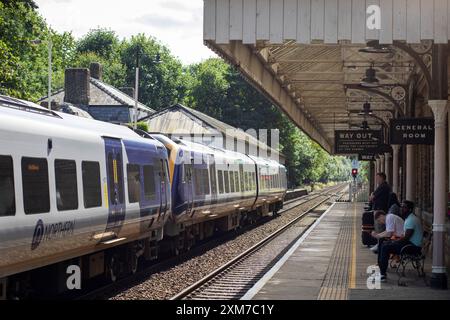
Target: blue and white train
76 191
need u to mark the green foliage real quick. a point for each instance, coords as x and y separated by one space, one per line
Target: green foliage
209 87
162 79
142 126
103 42
23 67
30 4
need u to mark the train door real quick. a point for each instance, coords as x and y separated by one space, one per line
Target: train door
115 182
212 179
163 191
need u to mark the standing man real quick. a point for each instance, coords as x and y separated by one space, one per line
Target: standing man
380 197
380 202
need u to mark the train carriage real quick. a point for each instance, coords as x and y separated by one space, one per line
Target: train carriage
75 187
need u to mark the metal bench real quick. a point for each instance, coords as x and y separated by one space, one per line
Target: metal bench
408 257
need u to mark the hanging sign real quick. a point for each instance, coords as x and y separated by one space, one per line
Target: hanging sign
357 141
366 157
412 131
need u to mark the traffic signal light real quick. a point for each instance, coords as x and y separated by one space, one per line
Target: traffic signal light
354 173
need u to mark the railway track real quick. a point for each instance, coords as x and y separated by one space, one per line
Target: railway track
128 283
234 279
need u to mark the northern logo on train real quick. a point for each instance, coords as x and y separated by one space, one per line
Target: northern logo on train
46 232
38 234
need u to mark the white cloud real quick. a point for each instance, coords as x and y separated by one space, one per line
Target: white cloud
176 23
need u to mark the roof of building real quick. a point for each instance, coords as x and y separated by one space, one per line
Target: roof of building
181 120
102 94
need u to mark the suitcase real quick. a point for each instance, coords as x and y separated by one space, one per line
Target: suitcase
367 228
367 239
367 219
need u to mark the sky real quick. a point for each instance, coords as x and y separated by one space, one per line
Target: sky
178 24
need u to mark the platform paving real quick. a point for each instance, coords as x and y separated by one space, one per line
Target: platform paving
331 263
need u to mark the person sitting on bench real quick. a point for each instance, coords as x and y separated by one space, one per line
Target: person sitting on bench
394 205
413 237
394 227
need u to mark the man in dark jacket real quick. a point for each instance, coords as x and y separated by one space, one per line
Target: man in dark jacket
380 197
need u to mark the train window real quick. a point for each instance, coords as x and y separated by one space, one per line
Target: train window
205 181
197 181
232 189
120 177
254 180
227 181
36 195
212 178
149 183
115 172
134 183
112 187
92 190
66 185
241 177
201 181
7 195
236 180
187 173
247 181
220 177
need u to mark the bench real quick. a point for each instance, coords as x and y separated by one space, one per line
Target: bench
416 260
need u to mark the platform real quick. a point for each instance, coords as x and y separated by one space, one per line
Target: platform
329 262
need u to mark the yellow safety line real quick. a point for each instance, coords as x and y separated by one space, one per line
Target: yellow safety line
353 265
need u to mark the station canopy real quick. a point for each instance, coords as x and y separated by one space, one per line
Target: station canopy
308 56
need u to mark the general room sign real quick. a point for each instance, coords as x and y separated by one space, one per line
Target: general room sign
412 131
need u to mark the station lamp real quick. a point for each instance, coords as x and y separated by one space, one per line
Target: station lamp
366 110
375 47
365 125
370 80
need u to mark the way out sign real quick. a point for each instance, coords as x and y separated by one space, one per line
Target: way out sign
357 141
412 131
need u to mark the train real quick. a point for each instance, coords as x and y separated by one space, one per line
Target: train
105 197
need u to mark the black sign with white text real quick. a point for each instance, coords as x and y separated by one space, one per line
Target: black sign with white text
358 141
412 131
366 157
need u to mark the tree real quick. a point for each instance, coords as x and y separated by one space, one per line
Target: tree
209 87
103 42
30 4
162 81
23 69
